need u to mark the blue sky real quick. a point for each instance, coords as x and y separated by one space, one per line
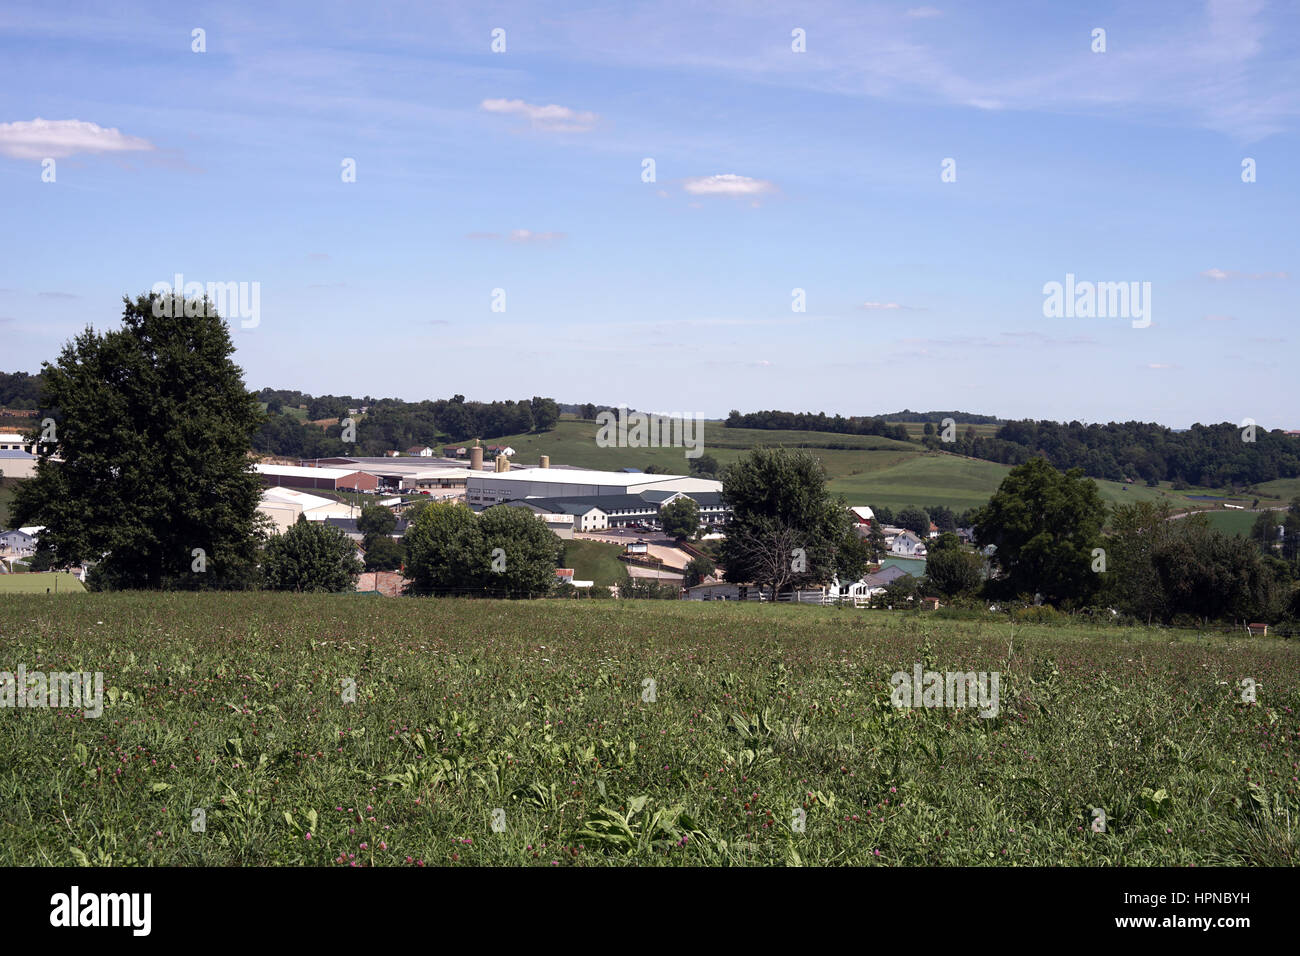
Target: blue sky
774 170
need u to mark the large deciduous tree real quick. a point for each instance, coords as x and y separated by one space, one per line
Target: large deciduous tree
503 551
1044 526
680 518
311 556
150 475
786 529
950 569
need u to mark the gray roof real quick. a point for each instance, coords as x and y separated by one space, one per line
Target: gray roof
885 576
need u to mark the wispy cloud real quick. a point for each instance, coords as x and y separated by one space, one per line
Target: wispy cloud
552 118
55 139
519 235
1219 275
886 307
728 184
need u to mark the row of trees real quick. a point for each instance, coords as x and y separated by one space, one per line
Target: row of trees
1211 456
820 422
393 424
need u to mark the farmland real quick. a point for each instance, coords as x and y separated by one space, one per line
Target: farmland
866 469
232 704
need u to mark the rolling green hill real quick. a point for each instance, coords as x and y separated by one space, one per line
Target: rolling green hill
865 469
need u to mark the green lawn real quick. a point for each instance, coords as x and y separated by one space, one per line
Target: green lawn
595 561
37 583
1233 522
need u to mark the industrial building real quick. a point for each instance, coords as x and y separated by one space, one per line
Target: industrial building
484 489
328 479
600 512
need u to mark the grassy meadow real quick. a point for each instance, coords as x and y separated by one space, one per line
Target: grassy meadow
232 704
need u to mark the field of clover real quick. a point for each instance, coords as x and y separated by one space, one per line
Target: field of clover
270 729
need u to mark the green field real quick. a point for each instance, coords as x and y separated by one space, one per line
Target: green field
30 583
871 471
1232 522
595 561
573 442
1279 492
916 430
526 733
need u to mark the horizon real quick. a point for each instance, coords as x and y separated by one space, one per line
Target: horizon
783 178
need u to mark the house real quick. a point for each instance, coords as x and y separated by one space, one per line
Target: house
934 530
17 464
565 576
1257 630
862 515
877 581
454 451
17 542
349 527
907 543
930 603
500 450
724 591
420 451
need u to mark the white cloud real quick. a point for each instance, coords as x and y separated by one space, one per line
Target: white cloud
42 138
526 235
1218 275
518 235
727 184
552 118
886 307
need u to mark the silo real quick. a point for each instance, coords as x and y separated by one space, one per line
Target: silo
544 462
503 463
476 458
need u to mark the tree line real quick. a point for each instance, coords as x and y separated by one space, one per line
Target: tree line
393 424
821 422
1209 456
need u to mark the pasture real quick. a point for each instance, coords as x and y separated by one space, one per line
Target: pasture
529 733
